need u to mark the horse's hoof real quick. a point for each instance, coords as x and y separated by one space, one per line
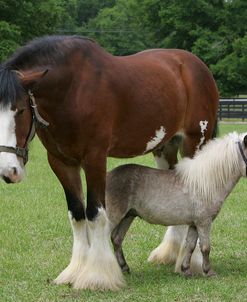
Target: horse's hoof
211 273
125 269
187 273
49 281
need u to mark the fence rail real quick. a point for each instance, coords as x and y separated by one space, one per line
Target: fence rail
233 108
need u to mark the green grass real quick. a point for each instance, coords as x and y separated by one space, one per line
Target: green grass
35 245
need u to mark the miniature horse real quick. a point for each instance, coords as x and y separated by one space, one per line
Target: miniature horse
86 105
192 194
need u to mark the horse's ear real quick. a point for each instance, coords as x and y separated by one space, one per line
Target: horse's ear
245 141
30 79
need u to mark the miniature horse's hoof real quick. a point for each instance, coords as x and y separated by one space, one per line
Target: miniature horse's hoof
125 269
211 274
187 273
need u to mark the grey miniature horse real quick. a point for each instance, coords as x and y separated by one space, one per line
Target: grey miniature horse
192 194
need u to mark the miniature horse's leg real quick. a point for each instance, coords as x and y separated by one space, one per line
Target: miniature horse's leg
69 176
117 237
204 241
172 246
191 143
101 270
191 240
168 250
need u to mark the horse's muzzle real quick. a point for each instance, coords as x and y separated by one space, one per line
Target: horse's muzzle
12 176
7 180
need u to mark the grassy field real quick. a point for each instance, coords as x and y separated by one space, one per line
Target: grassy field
35 245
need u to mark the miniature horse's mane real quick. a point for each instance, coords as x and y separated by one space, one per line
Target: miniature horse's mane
211 168
47 51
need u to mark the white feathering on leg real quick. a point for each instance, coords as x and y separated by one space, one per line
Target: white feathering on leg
195 262
167 252
79 252
101 270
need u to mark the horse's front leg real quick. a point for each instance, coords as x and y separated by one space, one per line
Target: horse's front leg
69 176
191 240
102 270
117 237
204 241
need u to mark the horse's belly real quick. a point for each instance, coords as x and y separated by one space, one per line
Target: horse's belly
168 220
172 212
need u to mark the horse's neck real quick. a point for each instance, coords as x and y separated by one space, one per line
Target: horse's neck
223 192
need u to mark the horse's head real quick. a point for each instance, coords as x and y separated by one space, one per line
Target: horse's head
17 121
242 144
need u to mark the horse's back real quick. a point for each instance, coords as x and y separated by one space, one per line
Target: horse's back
194 74
160 89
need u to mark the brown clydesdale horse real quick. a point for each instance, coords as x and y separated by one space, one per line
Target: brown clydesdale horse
86 105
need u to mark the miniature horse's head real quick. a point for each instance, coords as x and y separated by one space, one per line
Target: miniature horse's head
17 121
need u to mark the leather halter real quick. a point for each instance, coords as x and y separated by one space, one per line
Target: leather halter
243 155
37 122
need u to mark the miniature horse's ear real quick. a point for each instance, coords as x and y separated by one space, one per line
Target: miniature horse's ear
30 79
245 141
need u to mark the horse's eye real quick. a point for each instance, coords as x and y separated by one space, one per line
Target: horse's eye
20 111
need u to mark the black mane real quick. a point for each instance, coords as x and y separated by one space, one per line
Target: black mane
10 87
46 51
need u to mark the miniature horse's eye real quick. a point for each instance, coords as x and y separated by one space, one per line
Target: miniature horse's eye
20 111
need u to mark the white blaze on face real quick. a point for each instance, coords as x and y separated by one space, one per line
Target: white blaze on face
9 164
203 125
158 137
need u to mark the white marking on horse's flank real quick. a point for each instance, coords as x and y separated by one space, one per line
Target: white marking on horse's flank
203 125
159 135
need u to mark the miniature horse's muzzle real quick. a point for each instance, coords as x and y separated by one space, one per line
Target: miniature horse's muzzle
37 122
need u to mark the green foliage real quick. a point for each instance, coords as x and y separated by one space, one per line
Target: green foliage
10 35
215 30
183 22
231 71
89 9
27 20
119 29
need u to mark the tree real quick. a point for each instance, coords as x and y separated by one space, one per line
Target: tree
182 22
21 21
89 9
124 28
10 38
231 71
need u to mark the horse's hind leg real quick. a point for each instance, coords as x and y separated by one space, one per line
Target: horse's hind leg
191 240
168 250
117 237
166 156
